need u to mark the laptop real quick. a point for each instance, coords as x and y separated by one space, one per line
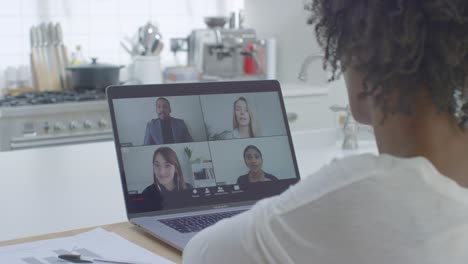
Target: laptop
192 154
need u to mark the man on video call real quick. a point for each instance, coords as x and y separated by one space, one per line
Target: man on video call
166 129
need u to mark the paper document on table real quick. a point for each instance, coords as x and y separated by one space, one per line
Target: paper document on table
97 243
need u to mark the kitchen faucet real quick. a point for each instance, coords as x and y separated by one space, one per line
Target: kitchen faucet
303 76
350 128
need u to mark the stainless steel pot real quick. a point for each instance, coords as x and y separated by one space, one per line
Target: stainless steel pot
94 75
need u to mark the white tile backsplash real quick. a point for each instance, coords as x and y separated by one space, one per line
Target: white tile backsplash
103 25
9 46
104 43
72 40
129 24
135 7
14 59
104 8
28 7
10 26
26 23
79 25
176 24
99 25
207 10
174 7
12 8
69 8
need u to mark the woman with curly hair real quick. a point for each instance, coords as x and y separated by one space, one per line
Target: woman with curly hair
405 63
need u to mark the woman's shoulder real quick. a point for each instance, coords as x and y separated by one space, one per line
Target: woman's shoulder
353 170
369 165
177 120
380 180
243 179
235 133
153 123
147 188
226 134
270 176
150 190
346 170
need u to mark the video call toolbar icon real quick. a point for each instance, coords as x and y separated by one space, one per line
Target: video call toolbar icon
220 189
207 190
195 191
236 187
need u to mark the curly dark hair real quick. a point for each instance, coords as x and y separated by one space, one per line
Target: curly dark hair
397 44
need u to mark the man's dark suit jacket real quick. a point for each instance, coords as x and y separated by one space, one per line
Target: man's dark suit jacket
154 136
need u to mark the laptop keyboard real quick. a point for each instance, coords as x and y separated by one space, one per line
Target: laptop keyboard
189 224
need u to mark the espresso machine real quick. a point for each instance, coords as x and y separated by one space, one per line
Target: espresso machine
232 53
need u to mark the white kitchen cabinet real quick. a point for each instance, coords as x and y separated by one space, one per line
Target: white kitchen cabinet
308 112
308 107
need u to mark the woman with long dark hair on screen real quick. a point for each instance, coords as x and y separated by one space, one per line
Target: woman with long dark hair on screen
167 173
405 64
254 161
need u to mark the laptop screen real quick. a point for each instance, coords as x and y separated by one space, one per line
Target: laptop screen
193 145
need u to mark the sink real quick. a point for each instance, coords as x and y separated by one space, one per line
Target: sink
316 148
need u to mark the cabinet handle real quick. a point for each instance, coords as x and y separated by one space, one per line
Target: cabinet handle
292 117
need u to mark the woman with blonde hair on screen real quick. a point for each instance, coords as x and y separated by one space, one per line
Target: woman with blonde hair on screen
244 122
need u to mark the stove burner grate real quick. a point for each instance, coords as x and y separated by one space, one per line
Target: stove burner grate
54 97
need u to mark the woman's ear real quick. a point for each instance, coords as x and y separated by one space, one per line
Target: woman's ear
361 108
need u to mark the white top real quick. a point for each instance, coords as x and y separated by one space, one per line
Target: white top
230 134
361 209
235 133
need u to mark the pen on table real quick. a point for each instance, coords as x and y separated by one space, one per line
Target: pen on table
78 258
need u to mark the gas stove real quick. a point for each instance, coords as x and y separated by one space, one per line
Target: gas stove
43 119
51 98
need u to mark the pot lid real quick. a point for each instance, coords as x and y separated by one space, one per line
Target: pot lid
94 65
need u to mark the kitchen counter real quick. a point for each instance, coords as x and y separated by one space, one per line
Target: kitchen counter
301 89
55 189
